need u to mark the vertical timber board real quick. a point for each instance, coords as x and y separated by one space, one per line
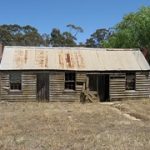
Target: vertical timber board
42 86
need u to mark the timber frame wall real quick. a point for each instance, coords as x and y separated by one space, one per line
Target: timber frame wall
56 86
28 92
117 86
29 87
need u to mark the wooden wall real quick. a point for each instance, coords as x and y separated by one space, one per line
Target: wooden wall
118 91
28 92
57 91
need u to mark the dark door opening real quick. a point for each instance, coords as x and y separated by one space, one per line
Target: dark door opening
43 87
93 82
100 84
103 87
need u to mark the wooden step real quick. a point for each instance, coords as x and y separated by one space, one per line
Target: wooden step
89 96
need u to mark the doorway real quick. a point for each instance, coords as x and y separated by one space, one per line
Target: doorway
100 84
103 87
43 86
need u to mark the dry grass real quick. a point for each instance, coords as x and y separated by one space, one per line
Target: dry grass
62 126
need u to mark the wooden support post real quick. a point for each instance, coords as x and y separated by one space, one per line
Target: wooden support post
87 83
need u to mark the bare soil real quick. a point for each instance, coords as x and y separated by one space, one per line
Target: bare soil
73 126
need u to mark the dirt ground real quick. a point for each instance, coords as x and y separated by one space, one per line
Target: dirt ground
74 126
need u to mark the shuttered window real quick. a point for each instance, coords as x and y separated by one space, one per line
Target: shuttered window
70 80
130 81
15 81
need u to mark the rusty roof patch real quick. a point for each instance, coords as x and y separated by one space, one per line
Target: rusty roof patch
20 58
61 60
41 59
80 60
69 60
26 56
76 58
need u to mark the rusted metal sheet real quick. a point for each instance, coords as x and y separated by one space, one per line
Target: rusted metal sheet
80 59
41 59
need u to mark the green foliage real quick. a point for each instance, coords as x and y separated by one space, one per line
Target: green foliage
90 43
20 35
56 39
77 29
45 39
5 36
29 36
97 37
59 39
69 39
132 31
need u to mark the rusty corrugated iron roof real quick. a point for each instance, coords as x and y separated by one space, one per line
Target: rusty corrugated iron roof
79 59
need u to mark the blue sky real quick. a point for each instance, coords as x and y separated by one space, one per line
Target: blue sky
47 14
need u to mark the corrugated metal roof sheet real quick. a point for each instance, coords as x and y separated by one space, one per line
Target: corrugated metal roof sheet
80 59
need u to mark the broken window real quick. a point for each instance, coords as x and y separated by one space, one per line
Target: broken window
70 80
15 81
130 81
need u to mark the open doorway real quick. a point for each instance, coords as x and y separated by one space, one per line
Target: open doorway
100 84
103 87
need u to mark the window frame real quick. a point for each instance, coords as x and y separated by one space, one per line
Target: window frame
129 81
69 81
15 87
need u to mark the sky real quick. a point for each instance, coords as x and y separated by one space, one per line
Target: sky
48 14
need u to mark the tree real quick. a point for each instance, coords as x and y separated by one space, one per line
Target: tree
56 39
14 32
59 39
5 36
31 37
20 35
77 29
69 39
45 39
90 43
97 37
132 31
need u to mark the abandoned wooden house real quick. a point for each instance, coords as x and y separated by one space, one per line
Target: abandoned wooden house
72 74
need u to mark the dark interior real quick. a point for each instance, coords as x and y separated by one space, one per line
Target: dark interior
100 83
